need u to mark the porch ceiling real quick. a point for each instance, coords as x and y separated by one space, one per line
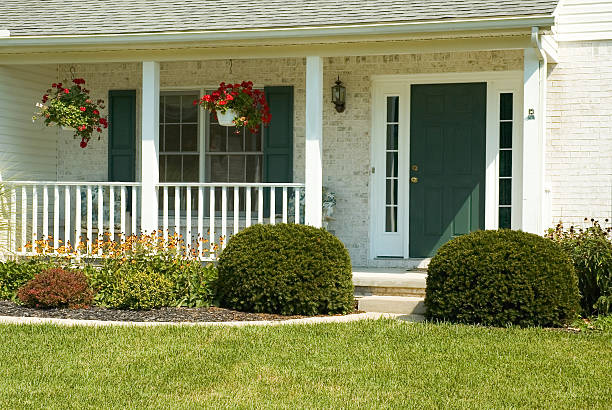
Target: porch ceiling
77 18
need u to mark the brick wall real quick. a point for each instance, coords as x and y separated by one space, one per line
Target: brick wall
579 143
346 141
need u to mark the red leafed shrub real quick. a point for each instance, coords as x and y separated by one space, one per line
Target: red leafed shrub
57 288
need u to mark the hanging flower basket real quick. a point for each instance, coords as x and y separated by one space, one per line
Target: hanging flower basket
73 110
227 118
238 105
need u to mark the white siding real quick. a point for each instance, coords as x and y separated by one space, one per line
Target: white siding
580 20
27 150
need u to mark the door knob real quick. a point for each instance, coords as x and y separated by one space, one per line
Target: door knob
414 180
415 168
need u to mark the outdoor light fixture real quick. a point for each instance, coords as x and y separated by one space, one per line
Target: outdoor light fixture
339 95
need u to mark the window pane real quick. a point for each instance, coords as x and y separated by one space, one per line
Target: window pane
505 135
391 219
392 136
218 168
234 141
172 138
392 191
236 168
172 108
505 163
253 141
190 111
505 218
162 168
161 137
191 168
253 168
217 138
392 164
505 192
505 106
189 138
392 109
173 168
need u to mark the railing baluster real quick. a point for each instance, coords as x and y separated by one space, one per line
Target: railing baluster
100 218
56 216
177 211
89 220
188 217
134 211
284 204
24 218
211 233
45 213
236 210
123 205
272 206
67 230
247 207
200 221
165 213
223 216
77 217
260 203
34 217
111 212
296 192
13 229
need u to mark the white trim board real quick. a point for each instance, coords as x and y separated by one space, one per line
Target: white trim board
387 85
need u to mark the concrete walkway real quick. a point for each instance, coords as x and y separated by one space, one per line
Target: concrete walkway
305 321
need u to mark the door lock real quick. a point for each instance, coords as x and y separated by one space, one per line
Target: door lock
414 180
415 168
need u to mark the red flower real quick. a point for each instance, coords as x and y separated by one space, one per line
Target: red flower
66 90
83 143
82 127
96 112
99 129
222 102
82 108
54 85
45 98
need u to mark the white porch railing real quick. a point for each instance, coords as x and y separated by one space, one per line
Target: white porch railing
69 214
209 213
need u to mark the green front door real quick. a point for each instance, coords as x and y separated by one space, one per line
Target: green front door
122 136
447 163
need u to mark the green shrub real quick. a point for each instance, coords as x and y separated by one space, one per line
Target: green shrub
15 274
285 269
500 278
55 288
143 279
591 253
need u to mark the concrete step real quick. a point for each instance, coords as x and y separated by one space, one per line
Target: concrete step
407 305
406 263
388 282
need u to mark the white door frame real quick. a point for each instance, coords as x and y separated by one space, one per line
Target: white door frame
400 85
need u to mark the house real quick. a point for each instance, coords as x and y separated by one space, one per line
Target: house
460 115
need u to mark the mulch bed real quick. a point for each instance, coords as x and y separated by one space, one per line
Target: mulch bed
168 314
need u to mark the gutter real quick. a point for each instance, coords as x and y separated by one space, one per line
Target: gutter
496 23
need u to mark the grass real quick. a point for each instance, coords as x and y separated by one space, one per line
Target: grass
370 364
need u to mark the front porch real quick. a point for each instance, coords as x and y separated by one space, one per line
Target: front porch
349 152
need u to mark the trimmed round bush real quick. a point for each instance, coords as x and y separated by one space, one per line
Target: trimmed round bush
500 278
285 269
139 290
56 288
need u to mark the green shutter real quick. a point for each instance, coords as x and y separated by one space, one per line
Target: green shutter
122 136
278 136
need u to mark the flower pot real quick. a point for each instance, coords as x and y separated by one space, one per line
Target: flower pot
227 118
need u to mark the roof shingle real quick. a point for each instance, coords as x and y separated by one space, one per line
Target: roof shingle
77 17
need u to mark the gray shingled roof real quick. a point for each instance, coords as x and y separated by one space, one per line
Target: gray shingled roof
78 17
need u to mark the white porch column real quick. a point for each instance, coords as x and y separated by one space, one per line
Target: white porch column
149 158
533 167
314 141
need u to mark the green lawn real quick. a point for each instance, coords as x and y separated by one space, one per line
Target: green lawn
364 364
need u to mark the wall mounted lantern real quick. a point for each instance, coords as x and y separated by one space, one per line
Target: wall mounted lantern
339 95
